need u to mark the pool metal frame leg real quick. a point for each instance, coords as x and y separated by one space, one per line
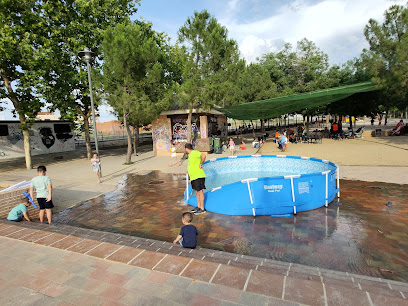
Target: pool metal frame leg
187 188
338 181
250 193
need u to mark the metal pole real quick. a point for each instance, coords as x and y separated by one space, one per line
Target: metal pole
187 188
88 66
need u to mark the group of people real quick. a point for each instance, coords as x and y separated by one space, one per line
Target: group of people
188 233
42 185
231 146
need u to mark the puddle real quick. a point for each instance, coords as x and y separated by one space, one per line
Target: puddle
362 235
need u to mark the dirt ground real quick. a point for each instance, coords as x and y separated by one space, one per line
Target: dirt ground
369 151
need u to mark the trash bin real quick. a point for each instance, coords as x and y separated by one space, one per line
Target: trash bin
217 143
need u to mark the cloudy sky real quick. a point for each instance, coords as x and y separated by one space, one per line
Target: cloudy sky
262 26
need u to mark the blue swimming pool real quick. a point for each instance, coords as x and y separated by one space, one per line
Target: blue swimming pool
267 185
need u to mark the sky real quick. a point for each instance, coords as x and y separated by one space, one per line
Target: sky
264 26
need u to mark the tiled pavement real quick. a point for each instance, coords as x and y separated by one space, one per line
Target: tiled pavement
63 265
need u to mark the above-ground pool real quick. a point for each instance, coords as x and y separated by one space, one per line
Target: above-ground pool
267 185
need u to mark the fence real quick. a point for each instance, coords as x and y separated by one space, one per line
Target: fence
111 140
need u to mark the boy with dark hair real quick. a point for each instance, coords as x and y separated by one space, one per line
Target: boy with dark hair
188 233
19 212
42 186
197 176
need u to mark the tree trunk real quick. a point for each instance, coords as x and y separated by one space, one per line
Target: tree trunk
307 124
26 137
129 138
135 140
386 116
189 131
262 125
87 137
23 122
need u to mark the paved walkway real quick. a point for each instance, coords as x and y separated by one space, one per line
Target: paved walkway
64 265
74 182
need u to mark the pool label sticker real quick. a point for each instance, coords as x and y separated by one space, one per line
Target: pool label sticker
303 187
273 188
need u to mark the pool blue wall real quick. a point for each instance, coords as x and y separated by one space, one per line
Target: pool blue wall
270 195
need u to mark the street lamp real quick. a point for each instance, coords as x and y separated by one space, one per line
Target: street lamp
87 55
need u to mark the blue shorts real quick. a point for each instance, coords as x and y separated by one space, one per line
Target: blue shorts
18 219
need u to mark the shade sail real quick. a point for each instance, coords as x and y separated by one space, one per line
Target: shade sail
279 106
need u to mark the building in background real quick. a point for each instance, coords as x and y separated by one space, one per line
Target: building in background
49 136
172 126
47 116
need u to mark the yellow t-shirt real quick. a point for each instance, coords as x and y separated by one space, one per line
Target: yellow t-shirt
193 167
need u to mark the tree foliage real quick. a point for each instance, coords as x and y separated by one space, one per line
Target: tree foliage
39 64
134 73
80 24
209 59
295 71
24 55
387 58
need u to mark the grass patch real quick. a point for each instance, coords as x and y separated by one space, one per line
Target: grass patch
127 164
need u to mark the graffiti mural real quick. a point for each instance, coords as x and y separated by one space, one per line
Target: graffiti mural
162 135
179 128
63 132
42 139
47 138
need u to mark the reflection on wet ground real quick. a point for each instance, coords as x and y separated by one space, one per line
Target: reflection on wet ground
362 235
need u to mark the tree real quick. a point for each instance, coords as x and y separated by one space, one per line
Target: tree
209 54
38 59
387 58
134 77
82 24
301 70
254 84
24 54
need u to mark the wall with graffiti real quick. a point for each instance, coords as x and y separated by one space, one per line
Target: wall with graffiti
45 137
173 128
161 134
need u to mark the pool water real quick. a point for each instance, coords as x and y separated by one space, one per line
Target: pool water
362 235
229 170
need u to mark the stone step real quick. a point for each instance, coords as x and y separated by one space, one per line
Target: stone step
283 280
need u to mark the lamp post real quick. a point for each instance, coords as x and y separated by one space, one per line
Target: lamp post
87 55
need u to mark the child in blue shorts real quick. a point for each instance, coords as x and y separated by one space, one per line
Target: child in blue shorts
188 233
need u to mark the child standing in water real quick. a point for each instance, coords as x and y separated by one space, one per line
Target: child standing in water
231 146
173 155
41 184
96 166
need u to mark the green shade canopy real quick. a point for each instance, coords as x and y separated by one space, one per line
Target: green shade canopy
276 107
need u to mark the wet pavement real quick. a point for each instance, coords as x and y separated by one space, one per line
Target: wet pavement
362 235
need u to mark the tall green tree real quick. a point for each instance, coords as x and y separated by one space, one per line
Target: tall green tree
387 58
209 55
81 24
24 55
254 84
134 76
39 64
295 71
